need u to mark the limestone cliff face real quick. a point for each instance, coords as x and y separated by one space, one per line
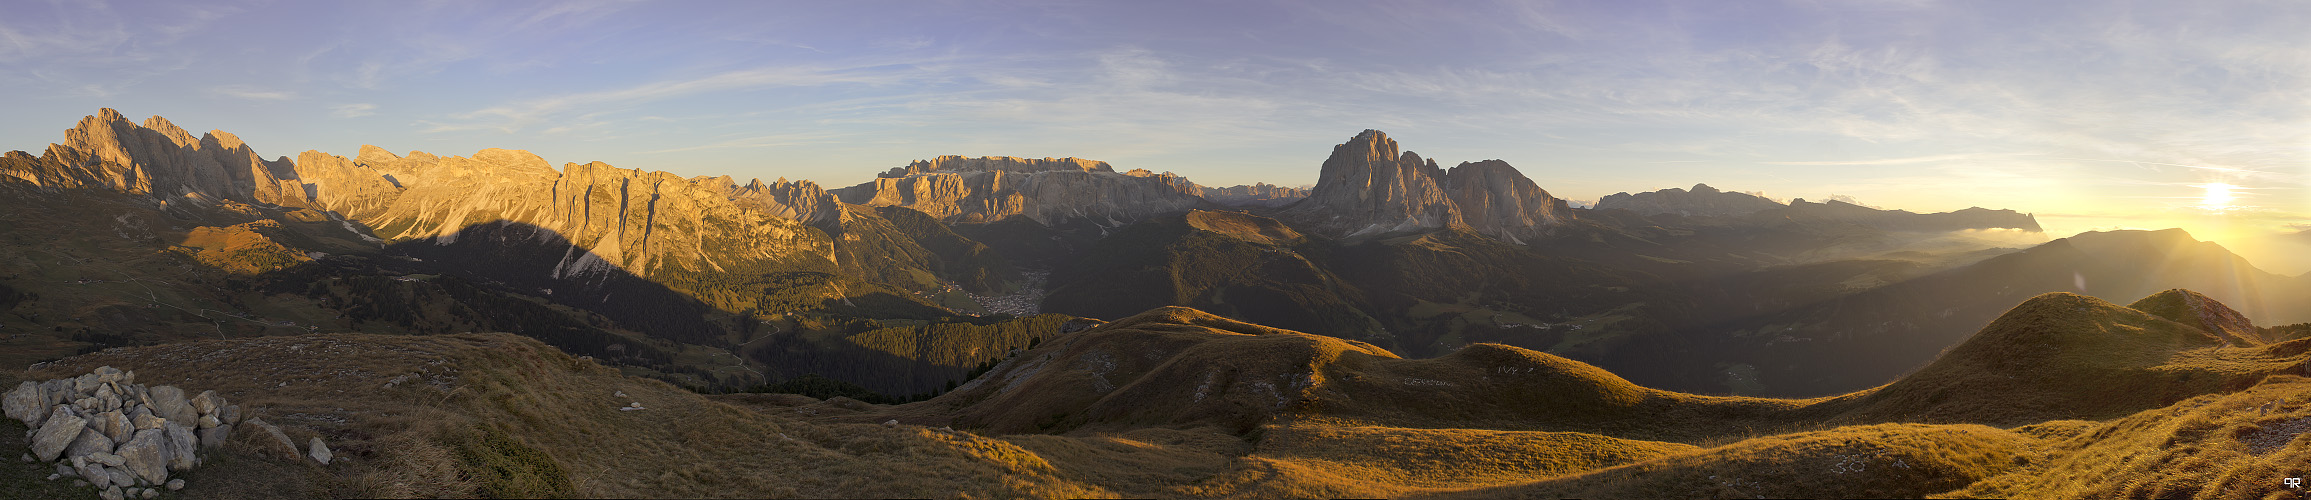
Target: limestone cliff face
1701 201
1259 194
1368 187
652 224
1047 190
107 151
1497 200
798 200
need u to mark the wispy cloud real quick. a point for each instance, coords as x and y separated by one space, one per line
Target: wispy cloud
355 110
516 116
252 93
1888 161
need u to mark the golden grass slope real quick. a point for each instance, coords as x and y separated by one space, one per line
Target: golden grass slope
498 415
2069 356
1874 461
1177 366
1177 403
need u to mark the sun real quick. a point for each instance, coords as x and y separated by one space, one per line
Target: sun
2218 197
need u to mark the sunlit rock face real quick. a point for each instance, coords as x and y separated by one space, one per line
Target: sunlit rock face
644 222
1047 190
1369 187
799 200
107 151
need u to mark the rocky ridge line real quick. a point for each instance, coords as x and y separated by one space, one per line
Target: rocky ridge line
1048 190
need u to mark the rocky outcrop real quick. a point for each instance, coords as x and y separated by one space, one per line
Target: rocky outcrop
1047 190
1497 200
797 200
1254 195
116 434
1701 201
1368 187
157 158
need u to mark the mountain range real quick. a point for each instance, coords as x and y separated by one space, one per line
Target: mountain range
1080 323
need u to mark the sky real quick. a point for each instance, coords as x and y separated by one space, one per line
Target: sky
2091 115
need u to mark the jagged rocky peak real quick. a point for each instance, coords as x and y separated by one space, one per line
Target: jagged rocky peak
957 189
1369 187
156 158
960 164
800 200
1703 200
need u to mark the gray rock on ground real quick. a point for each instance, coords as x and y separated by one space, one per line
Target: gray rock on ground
57 433
112 493
91 471
215 436
206 403
229 414
319 452
147 455
65 469
115 425
27 403
120 476
176 484
275 431
149 493
89 442
106 459
144 419
181 446
169 403
106 398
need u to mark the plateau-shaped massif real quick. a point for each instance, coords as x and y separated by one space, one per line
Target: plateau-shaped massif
1047 190
1702 200
1257 194
1368 188
1706 201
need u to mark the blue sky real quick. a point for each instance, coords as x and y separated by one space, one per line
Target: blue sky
2091 114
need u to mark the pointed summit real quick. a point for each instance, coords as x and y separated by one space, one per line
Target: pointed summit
1369 187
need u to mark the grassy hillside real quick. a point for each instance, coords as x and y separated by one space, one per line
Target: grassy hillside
2069 356
1869 337
503 416
1237 265
1176 402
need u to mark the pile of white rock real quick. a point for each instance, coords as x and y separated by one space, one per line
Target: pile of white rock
120 436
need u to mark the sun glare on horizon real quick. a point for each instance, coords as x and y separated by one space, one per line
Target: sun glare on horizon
2218 197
